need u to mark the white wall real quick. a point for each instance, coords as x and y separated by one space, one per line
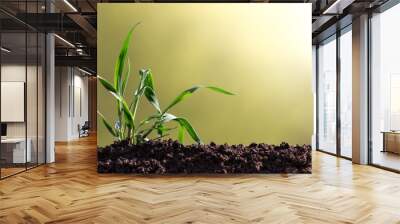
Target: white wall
70 83
61 103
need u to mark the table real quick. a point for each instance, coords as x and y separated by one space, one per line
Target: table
391 141
13 150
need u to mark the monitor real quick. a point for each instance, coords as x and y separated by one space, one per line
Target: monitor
3 129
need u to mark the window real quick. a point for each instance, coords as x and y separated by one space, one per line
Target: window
385 89
346 92
327 95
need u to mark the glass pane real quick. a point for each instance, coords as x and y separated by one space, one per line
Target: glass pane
346 94
327 96
32 87
13 86
32 97
386 89
41 98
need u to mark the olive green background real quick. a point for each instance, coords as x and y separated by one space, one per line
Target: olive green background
262 52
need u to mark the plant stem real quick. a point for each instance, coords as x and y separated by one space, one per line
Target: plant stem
120 137
151 129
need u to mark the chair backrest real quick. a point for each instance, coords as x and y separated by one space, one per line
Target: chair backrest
86 125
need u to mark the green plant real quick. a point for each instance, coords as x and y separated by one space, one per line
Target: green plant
125 126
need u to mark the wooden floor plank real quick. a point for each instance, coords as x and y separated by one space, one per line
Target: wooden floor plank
71 191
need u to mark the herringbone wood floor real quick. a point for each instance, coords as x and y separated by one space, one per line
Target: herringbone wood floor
70 191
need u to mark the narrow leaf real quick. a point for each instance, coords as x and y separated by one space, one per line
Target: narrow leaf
161 129
182 96
107 125
143 74
181 133
119 65
167 117
152 98
219 90
149 91
146 87
106 84
125 108
190 130
128 115
127 76
190 91
184 124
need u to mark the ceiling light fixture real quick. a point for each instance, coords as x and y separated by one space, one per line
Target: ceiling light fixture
337 7
84 71
70 5
5 50
64 40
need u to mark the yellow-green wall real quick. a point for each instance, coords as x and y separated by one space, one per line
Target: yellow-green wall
262 52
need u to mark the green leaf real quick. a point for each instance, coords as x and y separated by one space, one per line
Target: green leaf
167 117
182 96
161 129
152 98
183 123
106 84
190 130
190 91
114 92
127 75
149 91
143 74
128 115
181 134
125 108
119 65
219 90
147 85
107 124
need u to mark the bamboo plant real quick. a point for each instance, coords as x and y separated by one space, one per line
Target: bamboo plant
126 127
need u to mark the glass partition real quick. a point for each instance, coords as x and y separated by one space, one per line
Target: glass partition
31 99
41 96
14 153
327 95
22 107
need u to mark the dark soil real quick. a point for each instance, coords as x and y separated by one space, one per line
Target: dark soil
171 157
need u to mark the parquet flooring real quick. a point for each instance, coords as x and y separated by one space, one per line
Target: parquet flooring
70 191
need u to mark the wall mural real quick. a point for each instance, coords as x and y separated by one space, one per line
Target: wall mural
266 94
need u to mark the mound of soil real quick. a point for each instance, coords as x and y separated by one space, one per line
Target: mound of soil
171 157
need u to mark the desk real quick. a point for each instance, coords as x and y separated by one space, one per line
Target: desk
13 150
391 141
